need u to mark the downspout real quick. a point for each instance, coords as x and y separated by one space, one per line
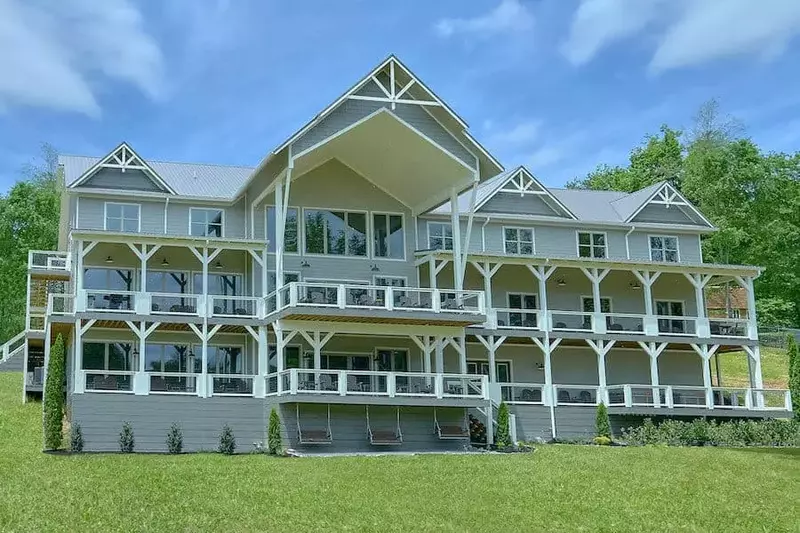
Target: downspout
627 244
166 207
483 234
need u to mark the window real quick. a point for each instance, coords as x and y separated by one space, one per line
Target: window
390 281
220 284
123 217
291 356
391 360
503 369
664 248
171 358
592 245
518 241
169 282
670 308
440 236
107 356
229 360
289 235
587 302
388 237
288 277
522 301
205 222
108 279
335 232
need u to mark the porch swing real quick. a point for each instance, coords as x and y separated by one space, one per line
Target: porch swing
385 437
314 436
450 432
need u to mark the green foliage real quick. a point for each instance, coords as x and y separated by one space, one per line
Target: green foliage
29 220
602 423
274 442
54 396
701 432
76 439
227 442
794 373
775 311
602 441
477 431
502 438
126 440
175 439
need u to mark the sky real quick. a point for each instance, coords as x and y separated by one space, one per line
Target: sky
559 86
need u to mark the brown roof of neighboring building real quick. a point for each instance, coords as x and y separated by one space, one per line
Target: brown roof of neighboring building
715 298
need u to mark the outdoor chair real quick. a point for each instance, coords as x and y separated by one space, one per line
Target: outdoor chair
585 396
616 327
560 325
317 298
563 396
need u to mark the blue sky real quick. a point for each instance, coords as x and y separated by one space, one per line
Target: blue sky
557 85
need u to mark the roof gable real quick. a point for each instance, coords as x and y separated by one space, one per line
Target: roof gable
123 168
520 192
660 203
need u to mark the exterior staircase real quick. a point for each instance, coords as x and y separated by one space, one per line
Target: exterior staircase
12 354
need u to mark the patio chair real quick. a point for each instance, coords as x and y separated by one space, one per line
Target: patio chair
563 396
241 311
585 396
326 382
560 325
616 327
115 301
158 384
317 298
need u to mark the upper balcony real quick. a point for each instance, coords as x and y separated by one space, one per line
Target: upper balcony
49 264
376 304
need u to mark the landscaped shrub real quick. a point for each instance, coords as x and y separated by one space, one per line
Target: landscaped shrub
76 439
602 440
701 432
502 438
601 422
54 396
274 443
175 439
126 441
794 373
477 431
227 442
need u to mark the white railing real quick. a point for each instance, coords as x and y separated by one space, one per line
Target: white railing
677 325
373 383
779 399
60 304
107 380
577 394
631 395
110 300
355 296
173 382
231 384
570 321
48 260
523 393
13 346
163 303
233 306
729 327
628 323
727 398
517 319
687 396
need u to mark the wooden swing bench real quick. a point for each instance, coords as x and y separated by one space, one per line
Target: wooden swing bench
314 436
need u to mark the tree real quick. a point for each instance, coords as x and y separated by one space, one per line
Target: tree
274 441
602 423
794 373
54 396
502 438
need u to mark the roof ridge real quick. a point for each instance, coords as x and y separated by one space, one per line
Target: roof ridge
170 162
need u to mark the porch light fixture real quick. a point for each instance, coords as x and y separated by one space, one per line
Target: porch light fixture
539 366
164 262
218 265
374 267
304 264
109 259
560 282
635 285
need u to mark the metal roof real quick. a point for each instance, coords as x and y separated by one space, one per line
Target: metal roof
199 180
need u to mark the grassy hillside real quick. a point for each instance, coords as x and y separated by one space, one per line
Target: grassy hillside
558 488
774 369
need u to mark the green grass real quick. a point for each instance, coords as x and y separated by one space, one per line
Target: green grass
774 368
558 488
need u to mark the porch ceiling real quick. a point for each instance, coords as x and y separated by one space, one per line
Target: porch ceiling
395 158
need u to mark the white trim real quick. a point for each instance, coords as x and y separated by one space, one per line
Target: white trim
122 164
591 243
509 362
428 230
520 172
519 242
222 220
669 194
662 236
122 216
371 233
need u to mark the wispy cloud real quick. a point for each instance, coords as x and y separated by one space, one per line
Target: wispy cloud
54 54
685 32
521 134
508 16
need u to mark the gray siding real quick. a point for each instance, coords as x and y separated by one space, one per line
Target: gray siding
349 427
504 202
351 111
688 245
91 213
201 419
533 422
130 180
660 214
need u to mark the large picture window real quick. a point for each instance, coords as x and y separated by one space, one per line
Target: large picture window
206 222
108 356
389 236
664 248
289 236
229 360
440 236
123 217
335 232
171 358
220 284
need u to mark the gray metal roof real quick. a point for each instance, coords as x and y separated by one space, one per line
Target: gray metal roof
187 179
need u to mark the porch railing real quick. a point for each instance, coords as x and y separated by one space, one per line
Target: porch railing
231 384
729 327
234 306
110 300
60 304
516 319
570 321
298 381
577 394
173 382
355 296
48 260
523 393
114 381
162 303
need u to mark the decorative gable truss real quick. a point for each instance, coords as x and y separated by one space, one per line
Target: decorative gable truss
120 161
522 193
668 205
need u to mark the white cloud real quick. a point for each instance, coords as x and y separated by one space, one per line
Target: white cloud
685 32
53 54
523 133
509 15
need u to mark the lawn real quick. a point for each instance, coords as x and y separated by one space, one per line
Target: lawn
774 368
557 488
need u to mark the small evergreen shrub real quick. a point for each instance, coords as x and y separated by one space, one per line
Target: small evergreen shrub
794 373
274 443
227 442
76 439
601 421
502 437
602 440
54 396
175 439
126 440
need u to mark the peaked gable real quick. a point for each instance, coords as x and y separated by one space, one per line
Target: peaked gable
124 169
519 192
660 203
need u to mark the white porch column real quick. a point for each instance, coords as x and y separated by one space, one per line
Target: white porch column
456 227
488 271
596 276
705 352
653 350
462 352
647 279
699 282
547 346
141 380
756 378
542 274
601 348
747 285
439 354
202 386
